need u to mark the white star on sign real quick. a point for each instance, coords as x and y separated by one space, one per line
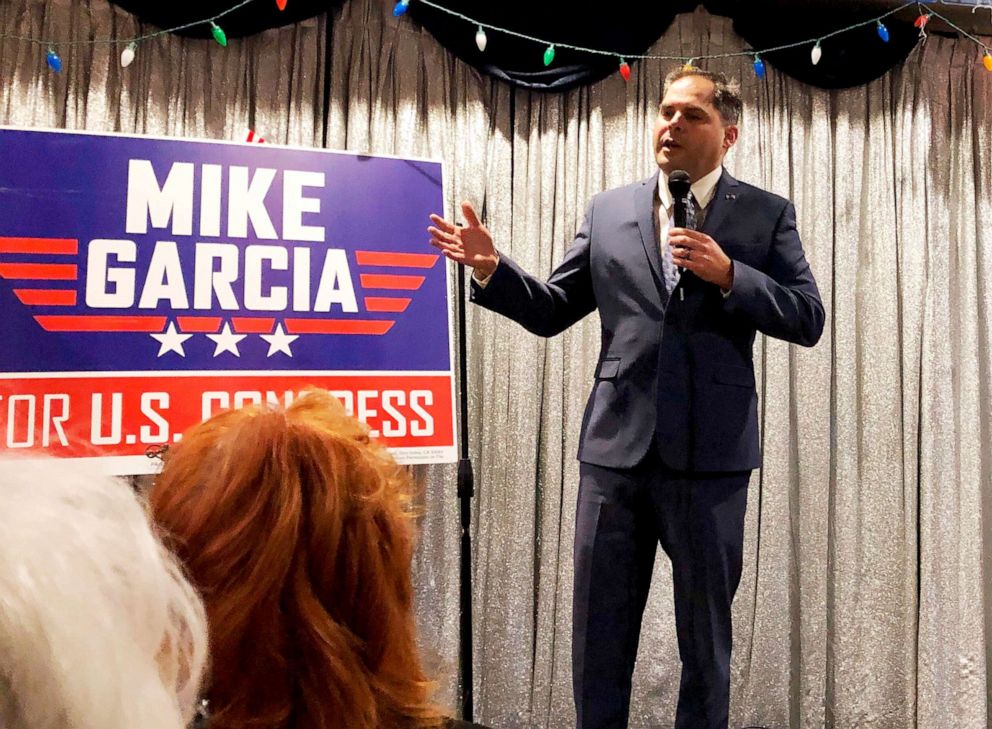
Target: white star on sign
279 341
171 341
227 341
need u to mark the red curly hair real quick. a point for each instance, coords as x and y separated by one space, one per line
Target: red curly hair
296 529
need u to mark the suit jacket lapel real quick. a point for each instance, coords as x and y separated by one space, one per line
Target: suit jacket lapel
724 199
644 212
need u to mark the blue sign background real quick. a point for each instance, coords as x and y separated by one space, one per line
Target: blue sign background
69 185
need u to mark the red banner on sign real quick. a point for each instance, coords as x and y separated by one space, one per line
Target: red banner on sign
80 417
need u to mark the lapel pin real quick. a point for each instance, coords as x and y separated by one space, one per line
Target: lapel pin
731 196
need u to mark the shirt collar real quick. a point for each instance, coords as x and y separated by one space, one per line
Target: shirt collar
702 189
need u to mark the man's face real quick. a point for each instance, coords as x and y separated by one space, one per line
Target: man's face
689 133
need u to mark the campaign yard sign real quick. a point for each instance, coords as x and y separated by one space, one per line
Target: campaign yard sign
148 283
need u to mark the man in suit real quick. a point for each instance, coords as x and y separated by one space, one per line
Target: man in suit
670 432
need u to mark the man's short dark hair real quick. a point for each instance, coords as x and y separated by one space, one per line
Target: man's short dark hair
726 93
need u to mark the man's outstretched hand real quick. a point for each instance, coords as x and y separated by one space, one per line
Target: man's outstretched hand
470 244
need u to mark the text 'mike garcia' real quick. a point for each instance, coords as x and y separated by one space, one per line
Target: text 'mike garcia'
215 287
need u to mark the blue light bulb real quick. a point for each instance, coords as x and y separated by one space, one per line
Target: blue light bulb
759 67
53 60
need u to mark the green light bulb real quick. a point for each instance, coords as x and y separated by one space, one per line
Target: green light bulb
219 34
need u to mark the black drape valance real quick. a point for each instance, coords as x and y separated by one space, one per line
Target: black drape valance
627 28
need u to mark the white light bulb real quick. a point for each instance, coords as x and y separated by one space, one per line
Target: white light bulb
480 39
816 54
127 55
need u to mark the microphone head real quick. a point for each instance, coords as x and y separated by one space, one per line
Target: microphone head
679 184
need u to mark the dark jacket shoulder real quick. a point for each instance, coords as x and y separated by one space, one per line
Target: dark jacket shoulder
623 192
756 196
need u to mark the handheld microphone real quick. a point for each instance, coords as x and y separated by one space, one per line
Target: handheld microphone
679 185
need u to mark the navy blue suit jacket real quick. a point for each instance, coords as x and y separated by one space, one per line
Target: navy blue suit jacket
678 372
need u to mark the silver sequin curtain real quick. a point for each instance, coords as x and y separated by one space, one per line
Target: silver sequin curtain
867 593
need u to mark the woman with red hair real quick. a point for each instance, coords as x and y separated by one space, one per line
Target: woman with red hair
296 529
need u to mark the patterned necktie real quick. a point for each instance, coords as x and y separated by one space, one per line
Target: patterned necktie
669 270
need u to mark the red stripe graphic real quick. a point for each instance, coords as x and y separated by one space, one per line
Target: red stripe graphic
39 245
46 297
386 303
252 325
388 281
337 326
39 271
199 324
405 260
101 323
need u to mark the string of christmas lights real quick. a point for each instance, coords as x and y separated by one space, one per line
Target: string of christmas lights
54 61
816 52
926 12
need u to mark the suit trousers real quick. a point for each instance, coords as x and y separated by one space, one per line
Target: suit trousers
621 517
